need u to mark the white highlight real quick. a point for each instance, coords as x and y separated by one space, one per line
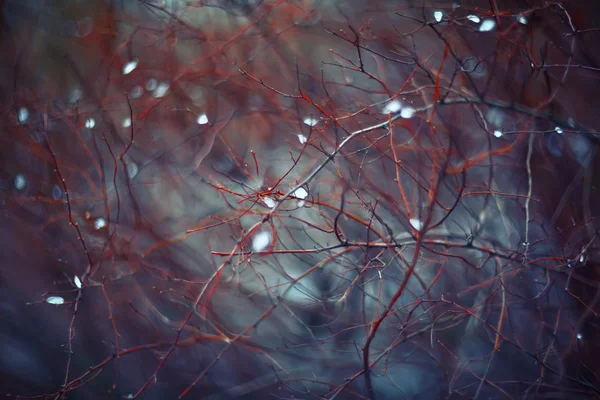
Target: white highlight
130 66
438 15
23 115
90 123
310 121
161 90
151 84
202 119
302 139
56 300
474 18
498 133
417 224
126 123
300 193
261 241
579 336
558 130
407 112
392 107
137 92
77 282
487 25
99 223
269 202
20 182
132 170
522 20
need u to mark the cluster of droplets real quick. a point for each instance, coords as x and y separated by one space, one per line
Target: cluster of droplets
395 106
485 25
261 240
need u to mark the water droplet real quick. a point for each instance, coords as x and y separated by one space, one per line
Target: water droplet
151 84
495 116
202 119
130 66
77 281
57 300
474 18
301 138
417 224
392 107
161 90
20 182
582 149
310 121
136 92
23 115
99 223
90 123
497 133
126 123
407 112
269 202
261 241
438 15
300 193
487 25
522 20
132 170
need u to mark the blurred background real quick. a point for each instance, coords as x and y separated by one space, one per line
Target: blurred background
143 141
